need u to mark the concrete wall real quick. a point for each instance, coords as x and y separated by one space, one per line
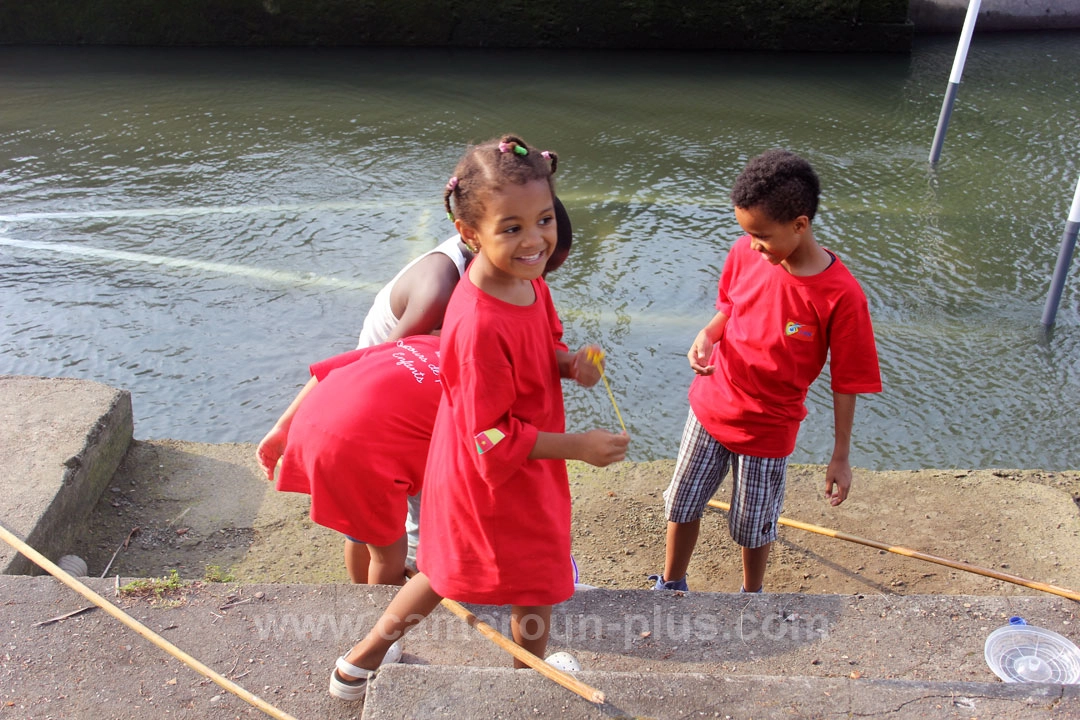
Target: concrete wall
646 24
995 15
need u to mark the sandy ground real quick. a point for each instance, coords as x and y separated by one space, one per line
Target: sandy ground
190 507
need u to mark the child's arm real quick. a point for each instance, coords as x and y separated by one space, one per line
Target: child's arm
580 366
838 474
422 294
272 447
596 447
701 350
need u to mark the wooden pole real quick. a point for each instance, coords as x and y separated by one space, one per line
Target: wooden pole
47 565
988 572
567 681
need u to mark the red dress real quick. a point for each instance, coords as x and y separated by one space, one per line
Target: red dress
358 441
497 524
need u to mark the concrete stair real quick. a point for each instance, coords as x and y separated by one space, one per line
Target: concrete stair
653 654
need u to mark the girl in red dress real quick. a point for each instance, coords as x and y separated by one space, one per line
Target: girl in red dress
496 508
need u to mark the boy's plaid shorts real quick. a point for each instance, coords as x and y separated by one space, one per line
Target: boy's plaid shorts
757 487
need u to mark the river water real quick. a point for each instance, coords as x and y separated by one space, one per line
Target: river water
197 225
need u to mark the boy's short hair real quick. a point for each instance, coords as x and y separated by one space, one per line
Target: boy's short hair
781 183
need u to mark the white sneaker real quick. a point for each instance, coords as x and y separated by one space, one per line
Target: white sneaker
563 661
393 653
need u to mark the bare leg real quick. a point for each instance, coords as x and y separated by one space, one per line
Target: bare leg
530 625
754 561
413 602
388 563
357 560
681 539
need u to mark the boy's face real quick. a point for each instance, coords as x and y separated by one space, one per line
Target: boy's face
776 241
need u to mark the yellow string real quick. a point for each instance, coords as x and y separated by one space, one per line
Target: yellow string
597 358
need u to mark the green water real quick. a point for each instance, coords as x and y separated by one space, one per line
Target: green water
199 225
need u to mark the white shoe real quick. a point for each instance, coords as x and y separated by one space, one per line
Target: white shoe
356 689
563 661
393 654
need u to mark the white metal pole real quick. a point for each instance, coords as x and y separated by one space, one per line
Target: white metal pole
954 79
1068 244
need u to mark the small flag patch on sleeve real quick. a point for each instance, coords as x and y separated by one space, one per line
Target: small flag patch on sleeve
488 439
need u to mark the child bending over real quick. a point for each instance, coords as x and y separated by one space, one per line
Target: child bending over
355 439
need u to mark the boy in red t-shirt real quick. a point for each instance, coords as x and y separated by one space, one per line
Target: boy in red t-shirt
785 304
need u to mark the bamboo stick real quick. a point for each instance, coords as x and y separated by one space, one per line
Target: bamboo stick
47 565
567 681
966 567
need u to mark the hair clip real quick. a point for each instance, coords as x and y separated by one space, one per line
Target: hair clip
452 184
450 216
505 147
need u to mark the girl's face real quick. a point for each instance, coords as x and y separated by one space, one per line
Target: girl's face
517 234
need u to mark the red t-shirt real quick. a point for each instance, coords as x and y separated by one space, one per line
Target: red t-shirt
359 439
496 525
779 331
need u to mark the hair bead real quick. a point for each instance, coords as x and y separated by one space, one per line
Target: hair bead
505 147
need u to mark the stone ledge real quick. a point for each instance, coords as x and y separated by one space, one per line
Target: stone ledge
62 440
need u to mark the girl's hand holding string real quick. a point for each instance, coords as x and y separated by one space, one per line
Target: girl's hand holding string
587 365
596 447
603 447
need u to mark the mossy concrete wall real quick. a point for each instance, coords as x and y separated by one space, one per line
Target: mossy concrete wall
947 16
853 25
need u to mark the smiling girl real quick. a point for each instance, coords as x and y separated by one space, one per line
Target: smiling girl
496 507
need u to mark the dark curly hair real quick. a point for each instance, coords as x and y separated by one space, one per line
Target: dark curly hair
486 167
779 182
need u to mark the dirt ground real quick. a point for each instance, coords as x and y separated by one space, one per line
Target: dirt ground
205 510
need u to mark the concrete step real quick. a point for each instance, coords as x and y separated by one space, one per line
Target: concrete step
408 691
61 440
652 654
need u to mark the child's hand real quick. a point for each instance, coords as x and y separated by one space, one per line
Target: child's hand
603 447
587 365
837 481
270 450
699 354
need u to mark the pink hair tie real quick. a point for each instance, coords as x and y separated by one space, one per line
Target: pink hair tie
546 155
452 184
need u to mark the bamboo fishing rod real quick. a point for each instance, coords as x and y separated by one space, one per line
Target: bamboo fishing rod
536 663
61 575
906 552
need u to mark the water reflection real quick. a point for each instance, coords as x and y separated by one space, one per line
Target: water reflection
198 225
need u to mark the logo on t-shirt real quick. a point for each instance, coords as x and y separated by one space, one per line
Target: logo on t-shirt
800 331
488 439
